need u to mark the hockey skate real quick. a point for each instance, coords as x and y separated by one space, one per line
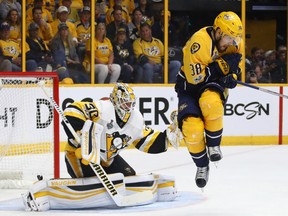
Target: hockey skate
202 176
214 153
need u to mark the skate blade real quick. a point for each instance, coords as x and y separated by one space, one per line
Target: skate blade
216 164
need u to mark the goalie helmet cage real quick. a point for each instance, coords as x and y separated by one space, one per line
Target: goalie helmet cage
29 128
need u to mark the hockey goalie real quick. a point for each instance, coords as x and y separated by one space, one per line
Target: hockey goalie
99 175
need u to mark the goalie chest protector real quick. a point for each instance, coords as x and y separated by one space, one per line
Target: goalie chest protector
113 134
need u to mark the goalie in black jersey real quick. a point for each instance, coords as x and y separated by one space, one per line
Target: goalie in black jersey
211 65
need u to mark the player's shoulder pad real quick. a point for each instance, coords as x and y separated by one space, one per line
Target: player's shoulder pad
136 119
199 40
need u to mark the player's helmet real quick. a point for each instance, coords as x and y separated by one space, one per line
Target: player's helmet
230 24
123 99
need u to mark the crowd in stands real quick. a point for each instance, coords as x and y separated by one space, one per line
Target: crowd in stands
267 66
128 42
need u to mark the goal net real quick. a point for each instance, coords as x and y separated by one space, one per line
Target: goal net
29 129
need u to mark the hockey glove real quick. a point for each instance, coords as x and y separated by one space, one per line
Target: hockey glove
173 133
229 63
229 81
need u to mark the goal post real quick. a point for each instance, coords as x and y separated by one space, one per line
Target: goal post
29 128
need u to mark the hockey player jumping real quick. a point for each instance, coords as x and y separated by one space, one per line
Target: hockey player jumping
210 65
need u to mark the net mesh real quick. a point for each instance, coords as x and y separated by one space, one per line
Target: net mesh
26 129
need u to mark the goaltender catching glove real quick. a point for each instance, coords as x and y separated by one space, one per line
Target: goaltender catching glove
229 81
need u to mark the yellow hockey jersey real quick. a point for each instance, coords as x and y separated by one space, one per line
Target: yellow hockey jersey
10 48
102 50
199 52
154 50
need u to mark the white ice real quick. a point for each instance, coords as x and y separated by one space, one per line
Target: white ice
249 181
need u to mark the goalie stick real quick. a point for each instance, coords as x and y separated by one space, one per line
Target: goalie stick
120 200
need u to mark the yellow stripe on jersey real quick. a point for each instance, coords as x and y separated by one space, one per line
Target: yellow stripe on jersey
83 111
149 141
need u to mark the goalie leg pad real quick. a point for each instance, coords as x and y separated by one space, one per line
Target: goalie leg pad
167 190
33 203
77 193
162 186
140 183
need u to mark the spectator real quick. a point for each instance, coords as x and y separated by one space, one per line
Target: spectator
45 30
282 58
88 3
256 56
149 54
38 50
158 30
73 15
145 7
5 64
117 23
104 57
134 26
124 55
62 17
48 4
255 75
65 55
128 4
273 68
12 51
125 13
77 4
46 14
7 5
83 31
15 25
100 11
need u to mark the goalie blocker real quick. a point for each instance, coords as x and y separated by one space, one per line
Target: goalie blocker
83 193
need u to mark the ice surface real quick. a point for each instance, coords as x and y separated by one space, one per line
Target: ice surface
249 181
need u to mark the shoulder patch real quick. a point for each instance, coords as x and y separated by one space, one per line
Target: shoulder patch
195 47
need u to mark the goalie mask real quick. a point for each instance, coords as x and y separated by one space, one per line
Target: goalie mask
123 99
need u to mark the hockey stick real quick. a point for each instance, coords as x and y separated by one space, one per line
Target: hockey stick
262 89
120 200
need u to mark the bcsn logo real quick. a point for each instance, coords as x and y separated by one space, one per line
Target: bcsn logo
251 110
